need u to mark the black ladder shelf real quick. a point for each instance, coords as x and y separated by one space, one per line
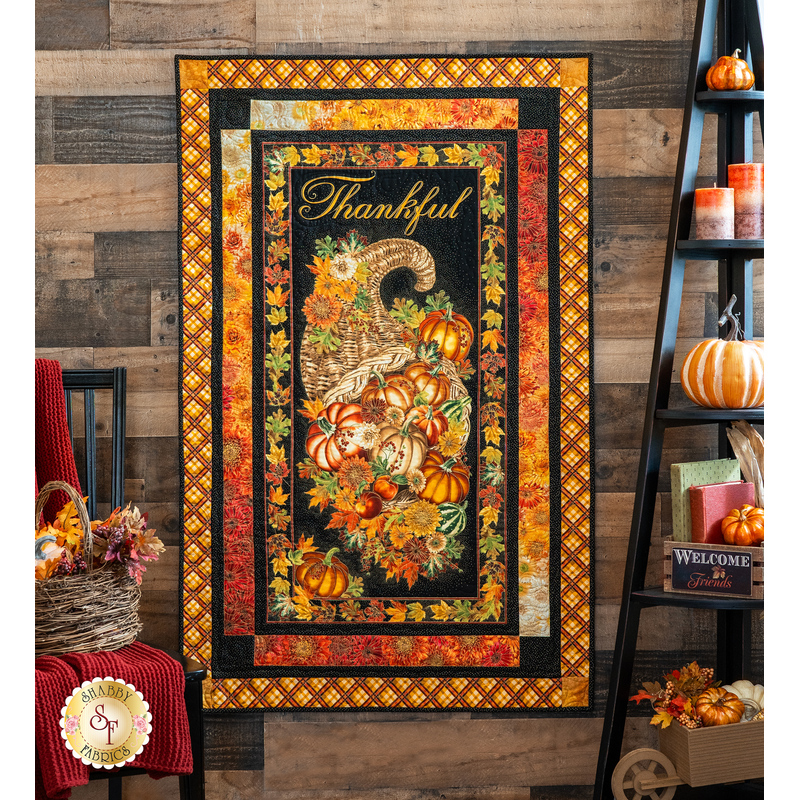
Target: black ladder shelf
738 25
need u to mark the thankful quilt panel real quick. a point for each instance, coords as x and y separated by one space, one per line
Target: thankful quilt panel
386 381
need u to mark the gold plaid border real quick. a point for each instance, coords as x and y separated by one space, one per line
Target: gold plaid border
571 77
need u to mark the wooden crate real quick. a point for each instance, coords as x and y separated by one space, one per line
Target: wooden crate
722 754
755 589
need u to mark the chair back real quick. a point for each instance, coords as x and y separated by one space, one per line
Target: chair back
87 382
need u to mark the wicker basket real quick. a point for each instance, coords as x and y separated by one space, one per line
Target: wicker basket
343 375
98 610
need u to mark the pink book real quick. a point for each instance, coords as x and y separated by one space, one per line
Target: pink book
710 504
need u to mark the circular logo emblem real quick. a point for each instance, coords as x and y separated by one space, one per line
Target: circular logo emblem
105 722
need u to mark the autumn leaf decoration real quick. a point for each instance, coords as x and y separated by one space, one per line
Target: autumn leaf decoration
123 539
676 699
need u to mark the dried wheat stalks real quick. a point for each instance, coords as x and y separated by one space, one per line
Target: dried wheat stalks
748 446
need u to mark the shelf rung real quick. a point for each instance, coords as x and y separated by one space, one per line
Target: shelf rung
704 416
708 249
658 597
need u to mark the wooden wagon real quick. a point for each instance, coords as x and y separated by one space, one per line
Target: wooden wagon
699 757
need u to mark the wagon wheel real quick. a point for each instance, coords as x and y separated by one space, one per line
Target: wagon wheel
642 773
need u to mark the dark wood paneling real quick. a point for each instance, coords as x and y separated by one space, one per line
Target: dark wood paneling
151 468
114 130
631 201
165 518
156 460
621 409
72 25
93 313
206 25
44 130
616 470
161 625
234 741
129 254
106 197
164 303
626 74
64 255
634 316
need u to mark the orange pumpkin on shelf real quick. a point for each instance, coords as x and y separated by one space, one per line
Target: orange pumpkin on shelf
717 706
730 73
451 332
330 437
322 575
744 526
725 373
445 481
393 389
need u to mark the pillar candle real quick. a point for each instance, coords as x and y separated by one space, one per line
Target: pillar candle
714 213
747 181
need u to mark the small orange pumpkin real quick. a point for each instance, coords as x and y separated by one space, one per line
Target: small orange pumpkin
323 575
446 481
725 373
432 422
730 73
330 438
394 390
451 332
744 526
432 384
717 706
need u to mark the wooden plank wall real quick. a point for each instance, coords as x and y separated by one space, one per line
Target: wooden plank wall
106 217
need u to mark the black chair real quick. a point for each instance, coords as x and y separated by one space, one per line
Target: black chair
87 381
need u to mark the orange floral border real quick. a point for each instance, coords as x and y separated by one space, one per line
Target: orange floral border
195 78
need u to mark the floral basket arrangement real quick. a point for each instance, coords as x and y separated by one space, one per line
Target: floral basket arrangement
88 576
692 698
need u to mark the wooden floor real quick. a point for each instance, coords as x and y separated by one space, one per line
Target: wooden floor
106 249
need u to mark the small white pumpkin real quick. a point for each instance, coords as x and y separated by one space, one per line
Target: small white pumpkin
752 695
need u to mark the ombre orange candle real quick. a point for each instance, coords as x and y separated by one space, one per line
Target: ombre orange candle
747 181
714 213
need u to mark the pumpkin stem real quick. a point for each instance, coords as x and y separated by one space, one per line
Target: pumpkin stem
329 556
381 382
736 53
449 464
328 428
728 316
406 425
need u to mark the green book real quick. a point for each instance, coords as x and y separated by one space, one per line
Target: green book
695 473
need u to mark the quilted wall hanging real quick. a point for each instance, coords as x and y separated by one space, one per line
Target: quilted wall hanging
386 381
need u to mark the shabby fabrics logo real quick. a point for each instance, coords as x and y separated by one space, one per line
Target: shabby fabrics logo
106 723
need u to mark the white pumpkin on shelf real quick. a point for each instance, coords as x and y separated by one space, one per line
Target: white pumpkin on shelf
751 695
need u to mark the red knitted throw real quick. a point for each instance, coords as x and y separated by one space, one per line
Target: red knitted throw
155 674
56 769
54 457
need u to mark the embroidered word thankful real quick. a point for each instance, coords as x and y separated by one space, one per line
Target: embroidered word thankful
332 193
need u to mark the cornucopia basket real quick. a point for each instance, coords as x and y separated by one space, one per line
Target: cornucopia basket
380 348
96 610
